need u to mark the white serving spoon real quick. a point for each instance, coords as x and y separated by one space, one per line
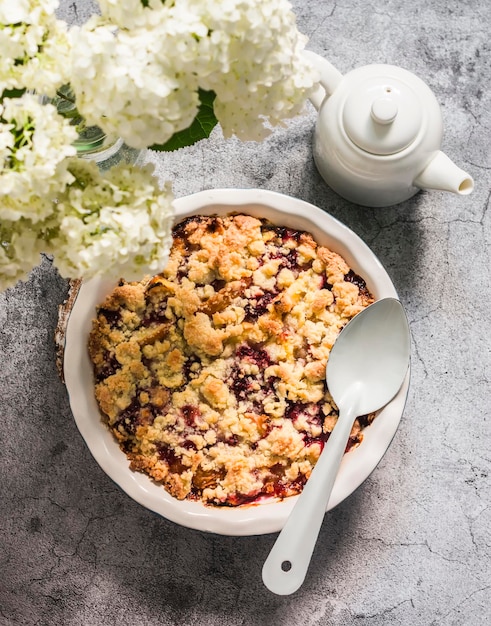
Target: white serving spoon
367 366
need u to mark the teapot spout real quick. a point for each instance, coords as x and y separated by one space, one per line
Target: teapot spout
442 174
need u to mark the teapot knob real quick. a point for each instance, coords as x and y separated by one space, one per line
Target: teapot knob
383 113
384 110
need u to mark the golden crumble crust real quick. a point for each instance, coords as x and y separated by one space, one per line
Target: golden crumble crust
211 375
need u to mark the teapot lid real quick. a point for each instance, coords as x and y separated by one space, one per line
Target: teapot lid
382 115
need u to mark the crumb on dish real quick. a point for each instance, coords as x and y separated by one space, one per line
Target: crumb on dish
211 375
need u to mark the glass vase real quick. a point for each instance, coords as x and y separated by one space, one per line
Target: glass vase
93 143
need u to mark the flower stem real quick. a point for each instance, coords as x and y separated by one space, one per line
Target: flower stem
64 97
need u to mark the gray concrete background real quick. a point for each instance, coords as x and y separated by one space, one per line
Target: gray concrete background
412 545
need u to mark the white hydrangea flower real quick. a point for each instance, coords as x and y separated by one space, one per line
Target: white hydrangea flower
27 11
20 245
263 76
118 224
34 143
133 13
136 71
122 86
35 46
138 75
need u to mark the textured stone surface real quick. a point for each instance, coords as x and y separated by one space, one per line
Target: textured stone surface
411 546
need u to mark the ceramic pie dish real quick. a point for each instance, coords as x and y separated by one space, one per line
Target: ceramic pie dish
268 516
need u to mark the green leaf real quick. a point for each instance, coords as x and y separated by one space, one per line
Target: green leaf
201 127
12 93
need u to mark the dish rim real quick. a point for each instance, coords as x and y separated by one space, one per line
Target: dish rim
266 517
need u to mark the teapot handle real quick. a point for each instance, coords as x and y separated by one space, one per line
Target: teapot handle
330 78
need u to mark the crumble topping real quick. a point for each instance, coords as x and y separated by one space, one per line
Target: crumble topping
211 375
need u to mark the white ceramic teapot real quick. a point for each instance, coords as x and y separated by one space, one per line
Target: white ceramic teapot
378 135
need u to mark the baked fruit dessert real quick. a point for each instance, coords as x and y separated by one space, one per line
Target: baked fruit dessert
211 375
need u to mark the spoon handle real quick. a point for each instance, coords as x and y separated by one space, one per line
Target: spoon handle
286 566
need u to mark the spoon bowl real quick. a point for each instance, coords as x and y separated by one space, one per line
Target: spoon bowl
370 357
366 368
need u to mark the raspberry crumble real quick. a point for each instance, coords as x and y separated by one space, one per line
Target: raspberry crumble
211 375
